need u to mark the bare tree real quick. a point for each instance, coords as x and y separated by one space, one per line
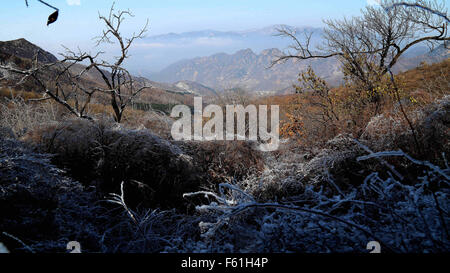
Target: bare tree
57 83
370 45
70 89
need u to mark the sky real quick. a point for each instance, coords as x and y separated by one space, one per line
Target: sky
78 21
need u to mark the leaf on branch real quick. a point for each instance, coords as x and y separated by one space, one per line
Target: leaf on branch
52 18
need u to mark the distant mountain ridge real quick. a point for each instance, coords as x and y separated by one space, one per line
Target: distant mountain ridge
246 69
266 31
157 52
251 71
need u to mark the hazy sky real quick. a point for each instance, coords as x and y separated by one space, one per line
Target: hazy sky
78 21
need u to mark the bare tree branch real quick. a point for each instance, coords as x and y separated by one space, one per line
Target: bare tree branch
69 88
417 5
368 46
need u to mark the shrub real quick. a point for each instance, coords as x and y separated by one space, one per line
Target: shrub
156 122
42 207
41 210
21 117
225 160
155 171
402 218
389 131
434 130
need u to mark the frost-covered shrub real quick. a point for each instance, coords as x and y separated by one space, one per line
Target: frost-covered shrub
6 133
287 173
40 206
41 210
434 129
225 160
432 126
338 160
281 177
383 131
147 231
333 199
158 123
20 117
155 171
402 217
405 212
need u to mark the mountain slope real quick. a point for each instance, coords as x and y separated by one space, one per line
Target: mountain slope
21 53
251 71
24 49
196 88
245 69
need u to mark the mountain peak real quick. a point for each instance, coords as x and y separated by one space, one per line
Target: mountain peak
271 52
245 52
24 49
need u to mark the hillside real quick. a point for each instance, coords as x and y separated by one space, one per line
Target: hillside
245 69
429 81
24 49
196 88
21 53
294 199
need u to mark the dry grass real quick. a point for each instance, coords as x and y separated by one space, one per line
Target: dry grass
21 117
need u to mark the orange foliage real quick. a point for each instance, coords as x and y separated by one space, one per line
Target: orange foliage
306 117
